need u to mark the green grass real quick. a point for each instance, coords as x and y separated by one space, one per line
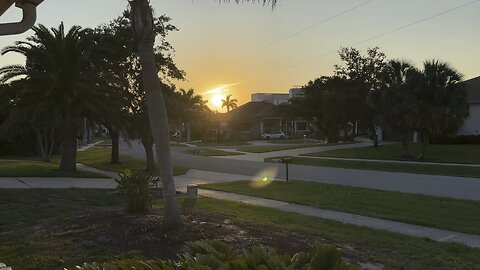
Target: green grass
272 148
438 212
436 153
395 251
35 168
206 152
99 157
462 171
22 212
25 246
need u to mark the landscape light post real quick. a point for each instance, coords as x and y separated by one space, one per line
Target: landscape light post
286 161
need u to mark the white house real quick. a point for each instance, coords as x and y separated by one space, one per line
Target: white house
274 98
472 123
296 92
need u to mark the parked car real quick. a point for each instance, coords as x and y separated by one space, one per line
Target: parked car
273 135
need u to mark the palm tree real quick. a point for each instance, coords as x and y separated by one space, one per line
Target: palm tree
59 81
229 103
399 101
143 24
443 102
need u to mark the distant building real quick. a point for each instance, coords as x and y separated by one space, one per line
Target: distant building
472 123
274 98
296 92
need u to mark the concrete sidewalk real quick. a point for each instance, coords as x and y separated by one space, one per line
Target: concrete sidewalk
374 223
291 152
181 182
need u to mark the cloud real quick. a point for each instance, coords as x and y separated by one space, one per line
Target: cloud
222 88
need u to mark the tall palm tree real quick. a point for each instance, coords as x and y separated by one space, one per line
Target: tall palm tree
59 80
398 99
229 103
443 102
143 25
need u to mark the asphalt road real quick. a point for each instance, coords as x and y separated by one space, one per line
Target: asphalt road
447 186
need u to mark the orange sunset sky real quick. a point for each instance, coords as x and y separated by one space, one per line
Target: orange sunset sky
241 49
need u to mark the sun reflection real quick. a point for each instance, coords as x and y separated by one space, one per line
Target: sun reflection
264 178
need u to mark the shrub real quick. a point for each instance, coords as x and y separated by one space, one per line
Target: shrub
137 188
214 255
460 139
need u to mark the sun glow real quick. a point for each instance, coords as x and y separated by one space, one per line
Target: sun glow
216 100
215 95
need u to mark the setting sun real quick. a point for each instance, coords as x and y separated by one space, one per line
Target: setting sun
216 100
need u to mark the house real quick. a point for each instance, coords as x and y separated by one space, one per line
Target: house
296 92
262 114
273 98
472 123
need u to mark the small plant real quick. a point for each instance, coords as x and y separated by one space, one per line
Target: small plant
137 188
215 255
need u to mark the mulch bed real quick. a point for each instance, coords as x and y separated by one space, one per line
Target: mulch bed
122 233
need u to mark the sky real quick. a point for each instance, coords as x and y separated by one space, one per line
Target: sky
246 48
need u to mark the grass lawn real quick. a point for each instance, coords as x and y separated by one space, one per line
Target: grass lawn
206 152
99 157
436 153
51 229
272 148
395 251
23 212
459 170
35 168
438 212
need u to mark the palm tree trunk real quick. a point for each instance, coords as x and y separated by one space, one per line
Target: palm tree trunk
115 155
52 143
41 145
423 153
148 145
68 162
145 37
405 150
375 136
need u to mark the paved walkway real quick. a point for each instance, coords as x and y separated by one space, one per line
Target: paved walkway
181 182
291 152
86 147
374 223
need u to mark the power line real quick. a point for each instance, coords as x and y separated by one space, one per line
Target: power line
289 36
369 39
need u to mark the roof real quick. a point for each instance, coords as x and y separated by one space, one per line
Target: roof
473 90
253 110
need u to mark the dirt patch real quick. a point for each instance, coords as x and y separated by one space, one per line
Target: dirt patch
120 232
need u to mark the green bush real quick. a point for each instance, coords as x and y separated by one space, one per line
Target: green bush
214 255
137 188
460 139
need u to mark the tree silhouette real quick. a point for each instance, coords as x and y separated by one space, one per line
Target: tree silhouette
60 81
143 26
229 103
